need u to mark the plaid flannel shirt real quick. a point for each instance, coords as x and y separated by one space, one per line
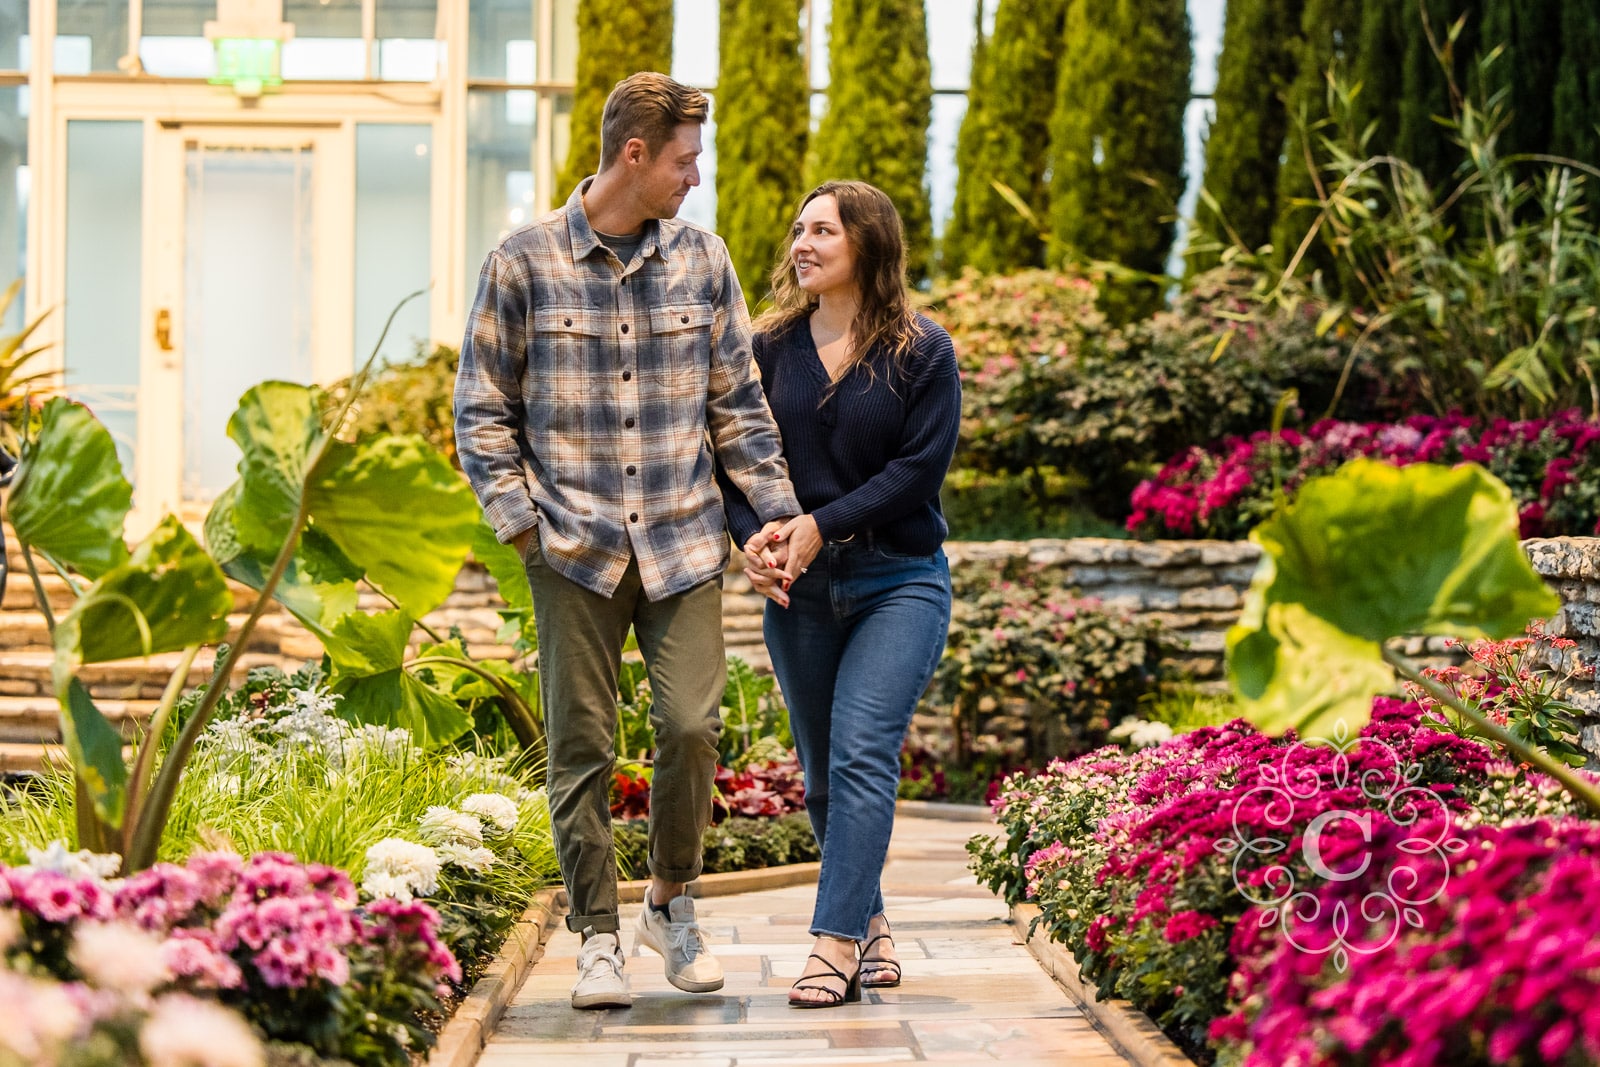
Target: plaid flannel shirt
595 399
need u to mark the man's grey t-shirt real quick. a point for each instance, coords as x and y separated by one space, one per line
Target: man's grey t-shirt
622 247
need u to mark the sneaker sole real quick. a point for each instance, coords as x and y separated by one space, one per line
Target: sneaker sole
590 1001
642 937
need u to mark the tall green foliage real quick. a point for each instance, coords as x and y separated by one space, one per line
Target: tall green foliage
763 119
1260 40
1576 105
880 100
1526 71
1375 67
1116 138
1007 121
616 38
1440 46
1328 31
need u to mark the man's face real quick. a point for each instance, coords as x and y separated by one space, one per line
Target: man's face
666 178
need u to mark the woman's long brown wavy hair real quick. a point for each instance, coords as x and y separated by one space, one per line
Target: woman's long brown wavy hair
884 322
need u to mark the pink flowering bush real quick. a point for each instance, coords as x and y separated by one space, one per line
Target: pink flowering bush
1503 968
1552 466
281 941
1163 868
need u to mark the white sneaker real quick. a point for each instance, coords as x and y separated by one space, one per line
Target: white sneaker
676 937
600 980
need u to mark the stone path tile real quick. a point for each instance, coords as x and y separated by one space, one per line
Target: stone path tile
971 994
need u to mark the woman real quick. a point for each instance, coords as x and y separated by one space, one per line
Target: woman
868 399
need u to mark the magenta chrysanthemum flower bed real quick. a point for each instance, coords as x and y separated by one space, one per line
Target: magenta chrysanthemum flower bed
1187 878
282 941
1551 464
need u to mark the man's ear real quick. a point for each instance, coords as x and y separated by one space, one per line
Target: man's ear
634 150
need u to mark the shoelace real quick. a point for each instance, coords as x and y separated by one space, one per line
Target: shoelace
591 952
679 936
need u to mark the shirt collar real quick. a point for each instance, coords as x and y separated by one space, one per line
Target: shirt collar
582 235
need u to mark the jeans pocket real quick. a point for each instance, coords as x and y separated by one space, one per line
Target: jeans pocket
532 554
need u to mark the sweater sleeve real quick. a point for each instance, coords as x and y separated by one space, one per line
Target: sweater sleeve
915 475
743 522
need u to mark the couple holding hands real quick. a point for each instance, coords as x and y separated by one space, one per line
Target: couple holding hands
619 418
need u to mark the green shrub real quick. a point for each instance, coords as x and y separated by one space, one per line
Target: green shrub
408 398
1019 638
736 844
1039 502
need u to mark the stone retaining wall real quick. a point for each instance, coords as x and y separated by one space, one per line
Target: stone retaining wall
1572 567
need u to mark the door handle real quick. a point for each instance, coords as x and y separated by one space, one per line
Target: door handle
164 330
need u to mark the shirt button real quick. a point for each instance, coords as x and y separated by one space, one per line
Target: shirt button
683 318
631 470
627 375
566 322
628 422
624 327
634 517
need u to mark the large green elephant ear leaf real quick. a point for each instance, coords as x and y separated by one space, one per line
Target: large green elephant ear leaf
399 511
69 498
319 584
1365 555
278 426
167 596
367 653
503 565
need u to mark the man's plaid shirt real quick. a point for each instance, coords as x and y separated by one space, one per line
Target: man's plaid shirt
594 400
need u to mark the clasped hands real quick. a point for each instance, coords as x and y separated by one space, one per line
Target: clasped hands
779 554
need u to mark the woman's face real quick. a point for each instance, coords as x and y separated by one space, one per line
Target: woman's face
823 260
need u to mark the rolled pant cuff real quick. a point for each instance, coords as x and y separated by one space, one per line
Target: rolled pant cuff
675 874
603 924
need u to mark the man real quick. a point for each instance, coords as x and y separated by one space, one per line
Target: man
606 371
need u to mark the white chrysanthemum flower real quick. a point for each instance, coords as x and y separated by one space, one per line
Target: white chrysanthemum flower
185 1031
119 956
495 809
399 868
441 824
41 1016
473 858
1140 733
55 858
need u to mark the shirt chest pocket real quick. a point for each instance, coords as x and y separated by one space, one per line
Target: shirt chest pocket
561 348
681 335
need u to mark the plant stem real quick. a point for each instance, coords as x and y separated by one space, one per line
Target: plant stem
38 590
523 722
433 634
1575 783
144 763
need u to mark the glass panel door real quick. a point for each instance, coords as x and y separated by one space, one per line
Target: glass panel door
250 267
247 285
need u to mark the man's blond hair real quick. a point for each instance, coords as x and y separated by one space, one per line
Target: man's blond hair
648 106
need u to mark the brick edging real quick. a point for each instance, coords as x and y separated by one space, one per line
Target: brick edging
1140 1039
462 1040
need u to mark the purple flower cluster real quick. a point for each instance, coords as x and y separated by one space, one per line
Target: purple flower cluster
1224 489
1502 968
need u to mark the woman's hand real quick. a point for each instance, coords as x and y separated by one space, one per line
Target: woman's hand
762 551
803 540
769 584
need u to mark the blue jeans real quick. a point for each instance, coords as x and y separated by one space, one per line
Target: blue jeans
853 652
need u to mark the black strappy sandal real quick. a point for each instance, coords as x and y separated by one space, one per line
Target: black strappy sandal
879 963
852 987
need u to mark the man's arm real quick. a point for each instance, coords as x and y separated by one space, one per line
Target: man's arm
742 430
488 400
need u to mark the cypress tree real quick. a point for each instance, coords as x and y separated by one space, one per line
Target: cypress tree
880 100
1328 31
1576 106
1381 41
1116 138
1007 120
1525 70
763 119
1260 41
616 38
1425 86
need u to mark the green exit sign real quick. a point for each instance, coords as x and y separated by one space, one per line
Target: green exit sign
247 64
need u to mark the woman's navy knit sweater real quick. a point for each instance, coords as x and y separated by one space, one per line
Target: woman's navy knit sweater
872 455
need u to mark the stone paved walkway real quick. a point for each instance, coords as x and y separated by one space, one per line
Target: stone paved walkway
971 994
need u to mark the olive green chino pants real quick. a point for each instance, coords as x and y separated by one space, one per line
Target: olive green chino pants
581 635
